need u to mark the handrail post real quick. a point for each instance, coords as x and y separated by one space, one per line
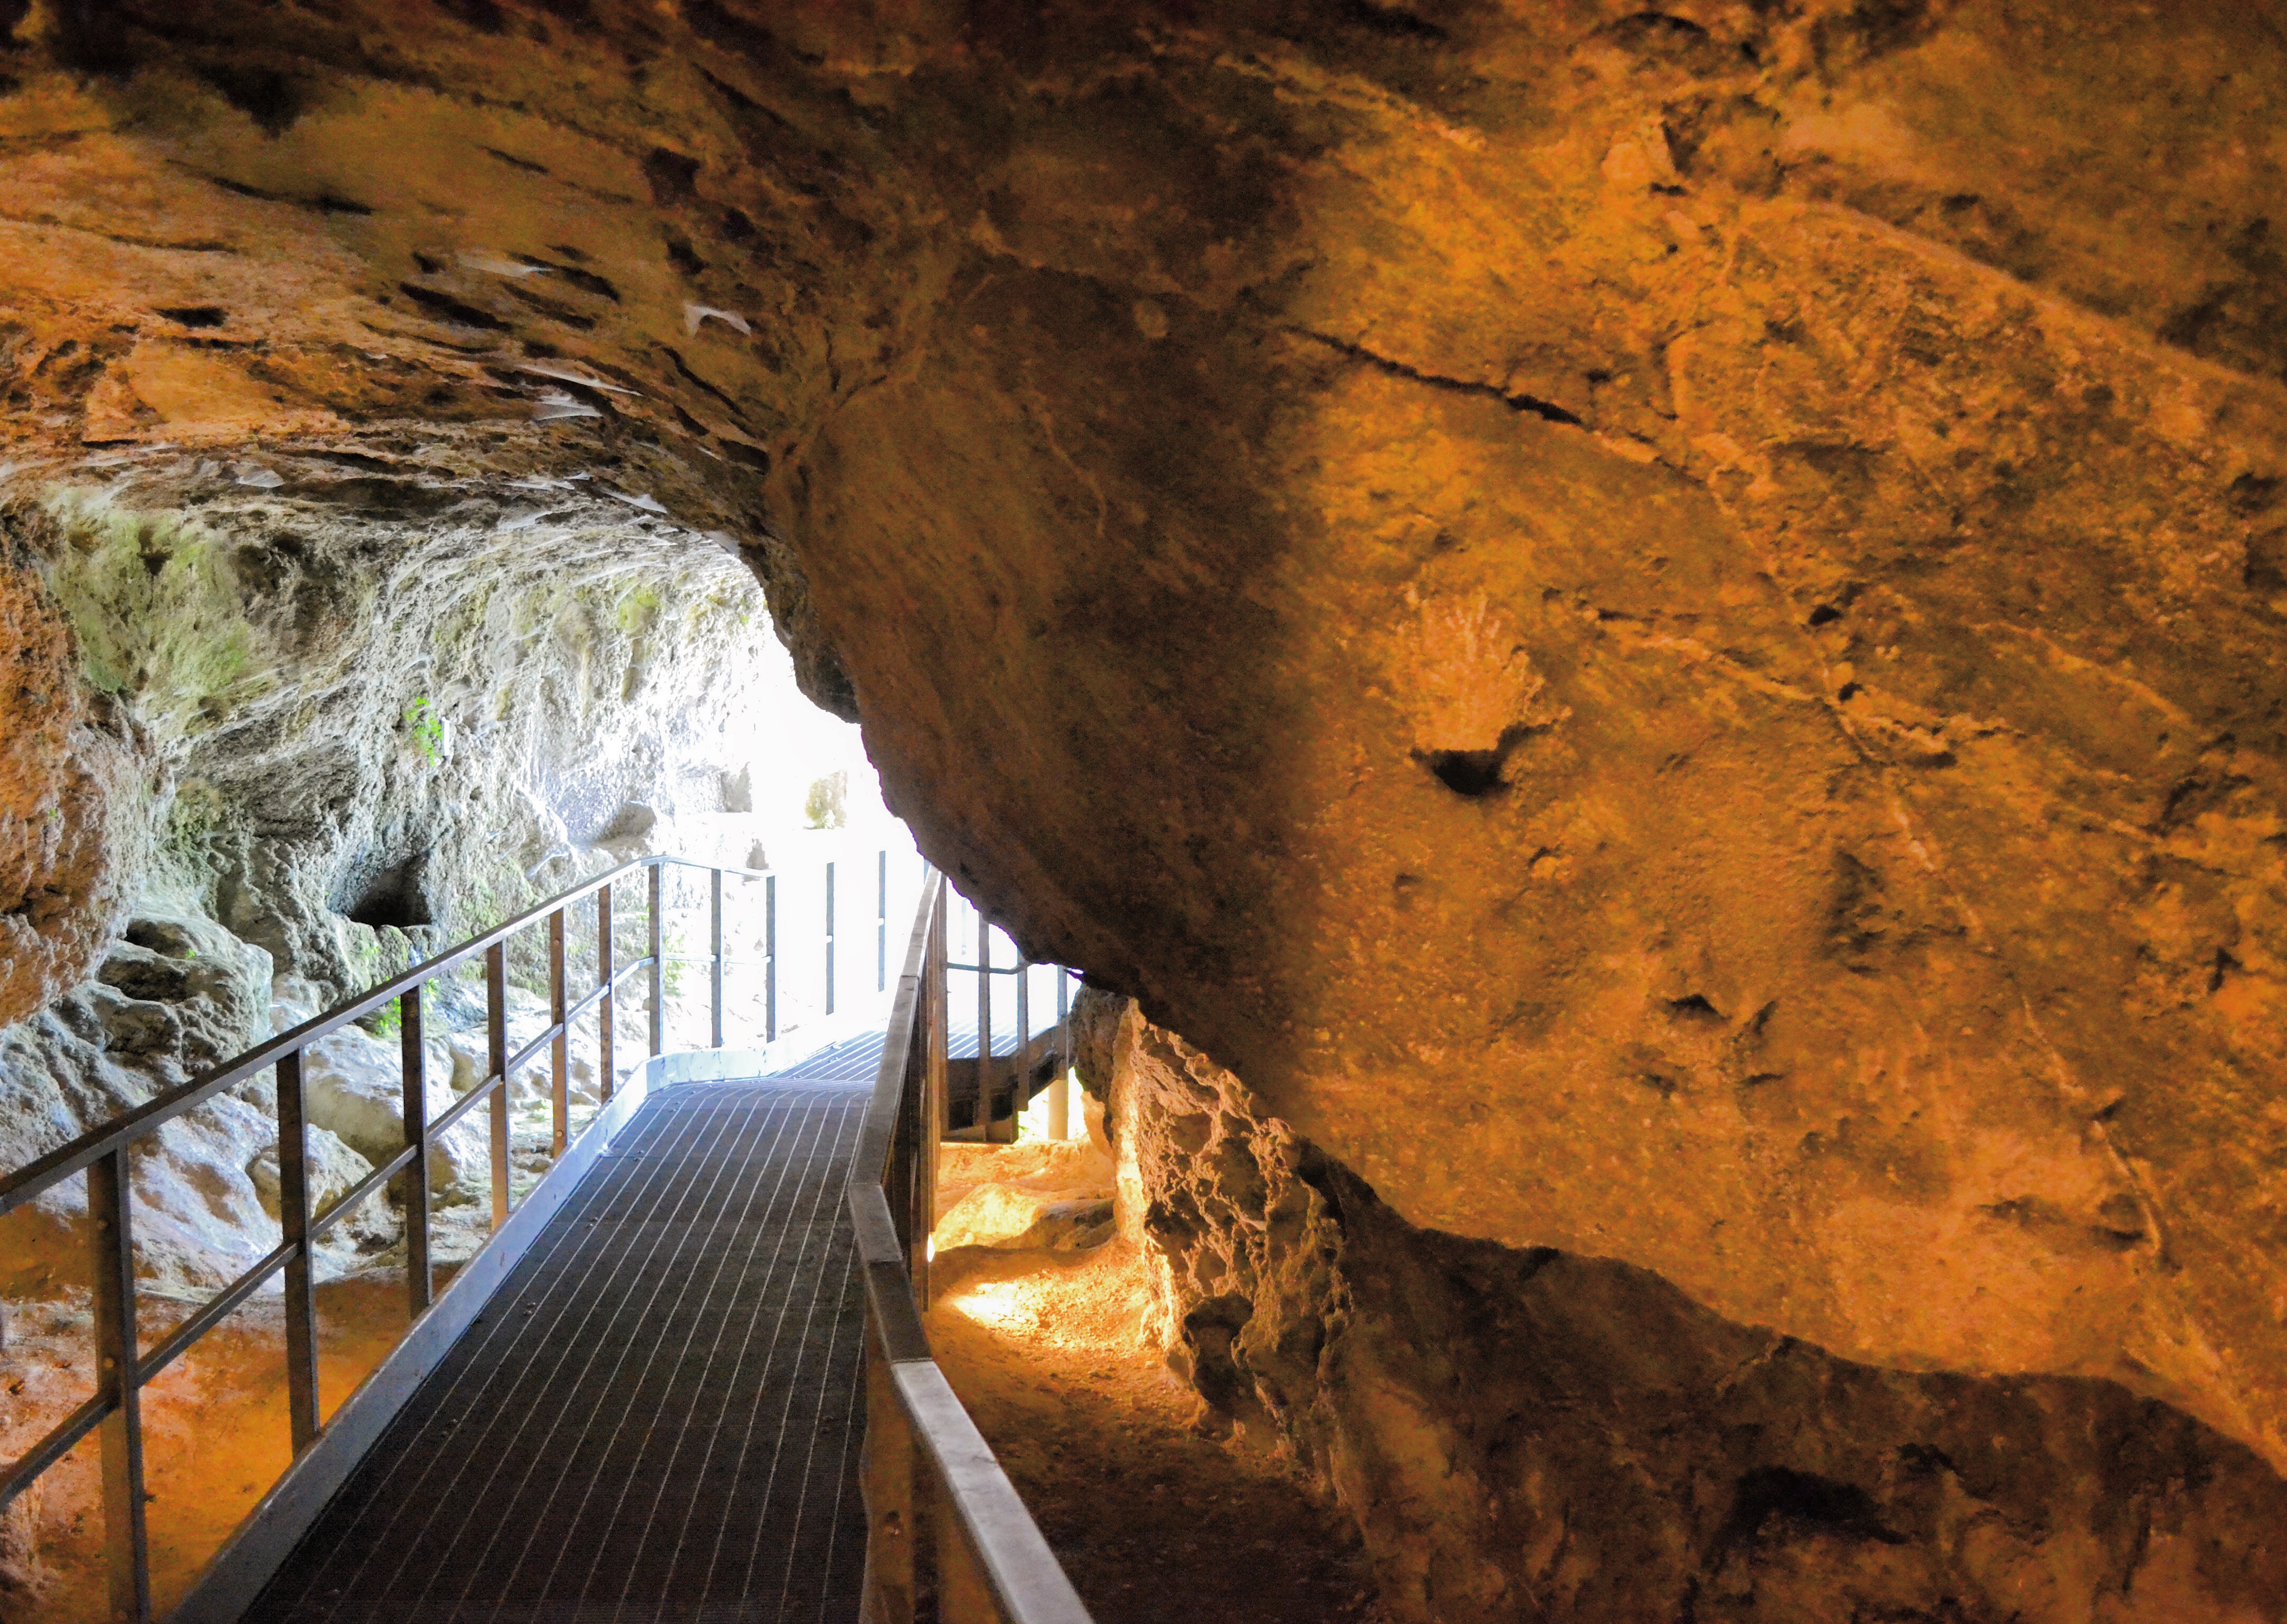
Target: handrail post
658 958
936 989
294 1222
497 1066
559 1052
985 1025
606 1006
901 1175
715 948
918 1108
771 959
893 1511
119 1383
830 938
420 1284
964 1594
940 1035
1020 1088
1060 1089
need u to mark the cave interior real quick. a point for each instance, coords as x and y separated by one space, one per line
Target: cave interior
1638 652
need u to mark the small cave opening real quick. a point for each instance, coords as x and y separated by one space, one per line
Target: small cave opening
394 894
1476 774
1801 1500
1472 774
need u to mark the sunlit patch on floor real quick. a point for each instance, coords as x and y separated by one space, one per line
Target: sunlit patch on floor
1048 1350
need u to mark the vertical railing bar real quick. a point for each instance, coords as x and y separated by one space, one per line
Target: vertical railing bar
916 1097
1021 1085
901 1173
607 1006
658 958
496 1066
294 1221
559 1053
913 1128
939 1039
420 1283
881 923
771 959
830 938
1060 1102
127 1550
985 1024
715 948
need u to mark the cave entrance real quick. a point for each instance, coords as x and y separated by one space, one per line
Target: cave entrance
397 895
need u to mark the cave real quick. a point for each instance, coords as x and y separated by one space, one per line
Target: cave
1637 651
393 893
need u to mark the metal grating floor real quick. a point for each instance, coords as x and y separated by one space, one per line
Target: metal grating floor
657 1417
858 1058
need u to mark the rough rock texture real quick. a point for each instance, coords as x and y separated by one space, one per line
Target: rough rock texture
367 732
371 711
1663 625
67 769
1045 1192
1533 1434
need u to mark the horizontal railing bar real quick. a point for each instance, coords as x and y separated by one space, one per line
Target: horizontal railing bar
30 1182
996 969
692 862
1026 1578
466 1104
363 1188
889 1288
51 1448
219 1309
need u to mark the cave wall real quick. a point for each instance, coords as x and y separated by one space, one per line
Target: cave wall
1692 595
68 785
1530 1433
360 710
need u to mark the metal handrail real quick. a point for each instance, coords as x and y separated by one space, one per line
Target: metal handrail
941 1515
124 1369
28 1183
985 1558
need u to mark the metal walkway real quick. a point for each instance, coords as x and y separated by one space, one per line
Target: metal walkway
658 1416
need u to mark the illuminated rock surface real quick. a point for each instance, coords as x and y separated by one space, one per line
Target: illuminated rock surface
1531 1434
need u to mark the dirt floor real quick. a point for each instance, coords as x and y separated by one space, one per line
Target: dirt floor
1156 1522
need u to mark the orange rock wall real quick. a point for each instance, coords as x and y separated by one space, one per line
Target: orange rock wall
1663 626
1535 1434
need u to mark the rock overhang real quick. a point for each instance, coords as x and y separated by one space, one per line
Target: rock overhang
1660 626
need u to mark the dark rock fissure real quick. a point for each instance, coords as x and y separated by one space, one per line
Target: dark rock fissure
1516 402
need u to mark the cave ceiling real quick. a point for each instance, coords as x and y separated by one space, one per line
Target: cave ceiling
1664 626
